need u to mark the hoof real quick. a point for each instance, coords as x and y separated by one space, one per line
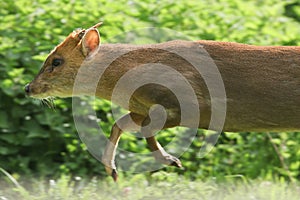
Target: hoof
112 172
173 161
168 159
176 163
114 175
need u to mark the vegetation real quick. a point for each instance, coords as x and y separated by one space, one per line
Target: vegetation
42 142
158 186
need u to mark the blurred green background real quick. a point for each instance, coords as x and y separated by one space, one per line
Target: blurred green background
38 141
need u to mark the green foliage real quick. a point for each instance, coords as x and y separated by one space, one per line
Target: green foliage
37 140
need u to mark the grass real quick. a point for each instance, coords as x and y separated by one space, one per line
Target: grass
160 186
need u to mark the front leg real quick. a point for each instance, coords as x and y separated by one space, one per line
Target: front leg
108 158
148 130
160 154
129 122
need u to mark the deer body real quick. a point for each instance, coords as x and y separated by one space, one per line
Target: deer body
262 84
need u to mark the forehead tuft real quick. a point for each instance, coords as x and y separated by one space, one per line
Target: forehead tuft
71 41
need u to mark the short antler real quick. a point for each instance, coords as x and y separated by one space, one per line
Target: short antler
97 25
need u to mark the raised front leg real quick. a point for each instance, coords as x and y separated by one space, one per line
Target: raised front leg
160 154
148 130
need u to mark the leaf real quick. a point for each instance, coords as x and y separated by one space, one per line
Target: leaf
3 120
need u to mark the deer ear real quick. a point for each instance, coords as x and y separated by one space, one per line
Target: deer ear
90 42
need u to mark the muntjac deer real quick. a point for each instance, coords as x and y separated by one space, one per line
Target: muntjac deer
262 84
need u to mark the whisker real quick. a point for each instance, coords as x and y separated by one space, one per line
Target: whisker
42 101
49 102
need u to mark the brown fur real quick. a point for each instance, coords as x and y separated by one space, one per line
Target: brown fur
262 83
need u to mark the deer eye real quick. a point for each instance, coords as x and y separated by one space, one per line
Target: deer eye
56 62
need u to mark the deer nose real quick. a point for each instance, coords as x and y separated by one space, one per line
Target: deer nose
27 89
